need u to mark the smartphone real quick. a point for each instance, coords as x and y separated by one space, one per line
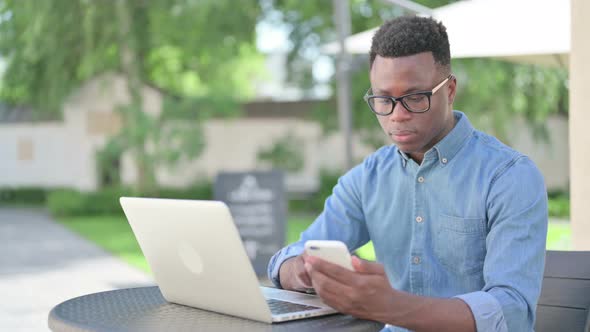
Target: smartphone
333 251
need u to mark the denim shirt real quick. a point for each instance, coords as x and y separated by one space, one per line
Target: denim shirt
469 222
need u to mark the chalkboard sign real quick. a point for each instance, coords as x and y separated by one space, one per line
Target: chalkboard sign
257 202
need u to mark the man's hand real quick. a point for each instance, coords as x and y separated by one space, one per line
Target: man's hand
293 275
364 293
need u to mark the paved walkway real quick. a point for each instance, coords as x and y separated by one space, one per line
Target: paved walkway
43 264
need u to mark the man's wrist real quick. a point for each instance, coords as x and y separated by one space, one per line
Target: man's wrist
284 272
400 305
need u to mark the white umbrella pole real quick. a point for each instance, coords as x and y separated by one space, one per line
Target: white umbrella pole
579 118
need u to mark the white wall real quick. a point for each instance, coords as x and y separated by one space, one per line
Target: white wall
232 145
58 159
552 157
64 153
106 92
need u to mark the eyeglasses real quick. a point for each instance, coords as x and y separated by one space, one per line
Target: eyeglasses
415 102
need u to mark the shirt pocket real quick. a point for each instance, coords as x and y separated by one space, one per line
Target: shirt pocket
460 243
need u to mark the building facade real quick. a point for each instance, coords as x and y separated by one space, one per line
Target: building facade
62 153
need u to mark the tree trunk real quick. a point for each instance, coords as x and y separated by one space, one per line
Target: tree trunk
134 115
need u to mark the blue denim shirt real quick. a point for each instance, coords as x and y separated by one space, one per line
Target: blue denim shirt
469 222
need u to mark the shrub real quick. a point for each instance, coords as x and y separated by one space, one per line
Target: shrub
105 201
314 203
66 202
285 154
23 195
69 202
559 206
202 190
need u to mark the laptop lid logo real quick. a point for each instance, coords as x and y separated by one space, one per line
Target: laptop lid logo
190 258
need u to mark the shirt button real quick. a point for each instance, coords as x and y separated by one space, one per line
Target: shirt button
444 160
419 219
416 259
420 179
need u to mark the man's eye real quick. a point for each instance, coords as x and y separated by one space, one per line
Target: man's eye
415 98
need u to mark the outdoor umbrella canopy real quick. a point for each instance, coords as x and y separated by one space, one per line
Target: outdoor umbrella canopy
526 31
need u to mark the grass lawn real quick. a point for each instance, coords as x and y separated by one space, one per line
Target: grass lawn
114 235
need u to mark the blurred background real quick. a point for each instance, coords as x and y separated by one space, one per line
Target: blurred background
100 99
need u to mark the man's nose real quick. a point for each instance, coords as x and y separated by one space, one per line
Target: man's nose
400 113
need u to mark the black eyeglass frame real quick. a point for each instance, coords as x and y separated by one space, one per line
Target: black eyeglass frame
367 97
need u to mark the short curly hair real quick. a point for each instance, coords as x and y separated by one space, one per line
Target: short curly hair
409 35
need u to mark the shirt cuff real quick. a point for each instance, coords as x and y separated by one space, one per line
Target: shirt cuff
279 258
486 310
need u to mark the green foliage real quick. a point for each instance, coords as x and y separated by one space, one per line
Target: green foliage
200 48
364 122
184 47
559 236
65 202
314 203
495 92
286 153
23 195
311 23
200 108
108 161
45 45
559 205
203 191
187 49
69 202
559 208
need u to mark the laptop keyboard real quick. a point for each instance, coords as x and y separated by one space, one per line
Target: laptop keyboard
278 307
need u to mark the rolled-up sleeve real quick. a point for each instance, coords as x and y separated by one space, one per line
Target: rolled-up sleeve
487 311
514 263
279 258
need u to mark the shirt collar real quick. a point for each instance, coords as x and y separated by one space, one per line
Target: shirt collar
404 156
448 147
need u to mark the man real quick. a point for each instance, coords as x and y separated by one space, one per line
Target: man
458 220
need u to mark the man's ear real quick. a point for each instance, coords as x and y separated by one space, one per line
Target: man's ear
452 89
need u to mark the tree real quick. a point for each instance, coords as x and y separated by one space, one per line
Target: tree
496 92
491 91
286 153
199 53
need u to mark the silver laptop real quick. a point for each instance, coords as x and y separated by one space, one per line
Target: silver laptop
197 257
